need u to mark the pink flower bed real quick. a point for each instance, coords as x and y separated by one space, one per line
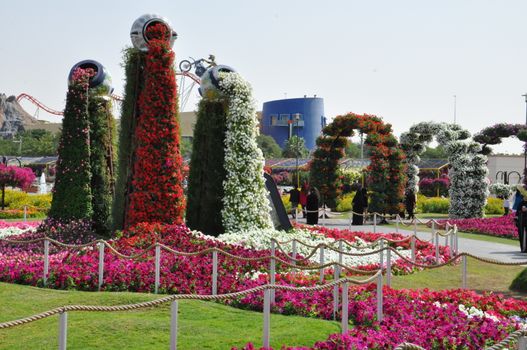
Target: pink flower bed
432 320
502 226
19 224
425 251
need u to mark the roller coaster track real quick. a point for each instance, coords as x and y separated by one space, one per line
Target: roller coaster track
24 96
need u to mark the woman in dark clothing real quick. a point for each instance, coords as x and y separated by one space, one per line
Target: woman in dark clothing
312 207
360 203
409 203
521 213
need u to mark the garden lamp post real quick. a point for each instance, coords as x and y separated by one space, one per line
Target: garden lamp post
297 151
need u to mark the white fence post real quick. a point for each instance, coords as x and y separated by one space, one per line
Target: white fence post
452 243
437 247
344 322
214 272
341 247
336 273
464 272
158 268
173 325
412 247
321 263
381 253
415 226
101 264
25 213
388 267
456 240
522 343
433 227
63 330
293 261
267 317
46 262
375 222
272 272
379 297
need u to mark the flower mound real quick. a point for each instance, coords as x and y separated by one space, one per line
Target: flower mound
502 226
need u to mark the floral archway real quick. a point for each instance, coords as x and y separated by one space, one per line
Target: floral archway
469 189
385 178
493 135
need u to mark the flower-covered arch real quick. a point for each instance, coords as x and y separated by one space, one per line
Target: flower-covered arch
385 172
493 135
469 189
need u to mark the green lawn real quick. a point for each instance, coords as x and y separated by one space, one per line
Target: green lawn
202 325
480 276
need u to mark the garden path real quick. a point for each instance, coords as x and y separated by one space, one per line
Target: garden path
491 250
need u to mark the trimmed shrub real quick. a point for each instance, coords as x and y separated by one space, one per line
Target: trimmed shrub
345 202
433 205
494 206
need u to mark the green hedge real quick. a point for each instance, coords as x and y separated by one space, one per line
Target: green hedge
519 284
345 202
438 205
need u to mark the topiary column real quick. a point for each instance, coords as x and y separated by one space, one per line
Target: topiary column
157 193
72 196
207 173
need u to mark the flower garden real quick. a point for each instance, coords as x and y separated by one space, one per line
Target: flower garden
123 221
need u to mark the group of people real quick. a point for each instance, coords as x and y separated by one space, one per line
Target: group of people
308 199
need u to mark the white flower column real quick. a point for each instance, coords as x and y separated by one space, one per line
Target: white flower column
245 201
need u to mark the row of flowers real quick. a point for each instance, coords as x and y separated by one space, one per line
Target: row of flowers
503 226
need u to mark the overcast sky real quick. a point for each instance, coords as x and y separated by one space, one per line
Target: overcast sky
401 60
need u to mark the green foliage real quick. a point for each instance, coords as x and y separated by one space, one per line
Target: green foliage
345 202
440 205
101 161
186 147
295 147
494 206
133 60
519 284
432 205
269 147
287 203
35 143
207 172
437 153
37 205
72 197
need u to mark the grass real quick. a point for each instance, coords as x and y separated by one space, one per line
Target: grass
480 276
202 325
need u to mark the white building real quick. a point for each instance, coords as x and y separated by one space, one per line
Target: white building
512 165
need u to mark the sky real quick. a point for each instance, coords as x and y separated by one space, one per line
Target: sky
401 60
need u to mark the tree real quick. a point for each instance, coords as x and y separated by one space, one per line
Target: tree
295 147
15 177
269 147
186 147
434 153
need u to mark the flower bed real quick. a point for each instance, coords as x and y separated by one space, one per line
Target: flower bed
502 226
8 229
452 319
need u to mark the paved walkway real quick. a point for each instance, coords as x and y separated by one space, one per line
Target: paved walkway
491 250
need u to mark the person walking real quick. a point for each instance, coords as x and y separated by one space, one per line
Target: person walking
521 218
409 203
312 207
360 203
294 198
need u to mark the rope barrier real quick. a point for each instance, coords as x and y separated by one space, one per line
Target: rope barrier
148 304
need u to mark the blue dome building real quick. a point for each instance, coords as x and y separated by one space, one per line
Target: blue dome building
304 117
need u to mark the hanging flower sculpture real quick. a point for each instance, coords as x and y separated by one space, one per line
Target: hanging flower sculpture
468 187
157 192
385 172
492 135
245 203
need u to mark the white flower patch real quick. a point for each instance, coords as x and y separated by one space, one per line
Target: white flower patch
13 231
245 200
261 239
